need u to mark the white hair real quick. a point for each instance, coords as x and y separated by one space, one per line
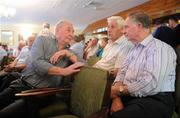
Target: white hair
119 20
61 23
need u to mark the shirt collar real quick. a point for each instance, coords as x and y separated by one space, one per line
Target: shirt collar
148 39
119 40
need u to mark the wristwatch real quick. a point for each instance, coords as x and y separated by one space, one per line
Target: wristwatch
121 90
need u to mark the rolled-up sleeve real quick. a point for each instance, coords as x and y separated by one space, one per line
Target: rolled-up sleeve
39 63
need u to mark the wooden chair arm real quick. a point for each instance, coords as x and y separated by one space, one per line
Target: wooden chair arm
41 92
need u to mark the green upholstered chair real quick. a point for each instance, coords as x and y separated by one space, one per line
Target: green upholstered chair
90 94
92 60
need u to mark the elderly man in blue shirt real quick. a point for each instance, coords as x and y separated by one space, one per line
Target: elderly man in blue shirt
49 61
144 85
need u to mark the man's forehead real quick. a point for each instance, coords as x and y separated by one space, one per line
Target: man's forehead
67 25
112 22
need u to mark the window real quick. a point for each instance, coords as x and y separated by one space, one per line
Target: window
7 37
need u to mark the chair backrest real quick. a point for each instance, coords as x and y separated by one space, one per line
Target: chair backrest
88 91
92 60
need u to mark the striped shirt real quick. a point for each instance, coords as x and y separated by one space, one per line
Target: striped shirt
114 54
149 68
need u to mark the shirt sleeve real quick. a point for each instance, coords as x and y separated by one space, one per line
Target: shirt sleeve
40 64
122 71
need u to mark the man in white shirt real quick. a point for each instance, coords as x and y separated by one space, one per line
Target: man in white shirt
17 51
117 47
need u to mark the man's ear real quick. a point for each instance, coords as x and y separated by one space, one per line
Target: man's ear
140 25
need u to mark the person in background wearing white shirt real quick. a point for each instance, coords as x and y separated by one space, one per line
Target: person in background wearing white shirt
117 48
144 85
21 61
12 71
91 48
17 51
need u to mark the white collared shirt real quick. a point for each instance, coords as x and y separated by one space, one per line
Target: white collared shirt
114 54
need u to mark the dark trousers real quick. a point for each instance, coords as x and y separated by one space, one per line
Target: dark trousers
12 106
156 106
6 80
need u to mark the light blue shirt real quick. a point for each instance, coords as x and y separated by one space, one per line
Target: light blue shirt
78 49
149 68
24 55
36 73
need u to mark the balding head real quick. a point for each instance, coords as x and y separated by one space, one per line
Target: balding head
64 32
61 23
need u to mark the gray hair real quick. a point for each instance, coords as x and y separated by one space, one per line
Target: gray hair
140 17
119 20
60 24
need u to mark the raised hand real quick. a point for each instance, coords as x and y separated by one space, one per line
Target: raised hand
57 56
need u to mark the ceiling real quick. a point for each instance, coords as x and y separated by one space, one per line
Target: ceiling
80 12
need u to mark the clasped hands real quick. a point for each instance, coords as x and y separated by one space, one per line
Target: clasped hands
117 104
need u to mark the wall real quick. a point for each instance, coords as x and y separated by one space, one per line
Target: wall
155 8
23 30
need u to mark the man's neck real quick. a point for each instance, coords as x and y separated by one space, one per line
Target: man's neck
60 45
113 40
143 35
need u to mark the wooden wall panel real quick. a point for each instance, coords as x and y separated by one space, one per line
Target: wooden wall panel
155 9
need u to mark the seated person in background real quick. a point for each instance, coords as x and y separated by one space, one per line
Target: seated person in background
21 61
164 33
17 51
12 71
91 48
77 46
3 53
48 65
144 85
117 48
173 23
103 44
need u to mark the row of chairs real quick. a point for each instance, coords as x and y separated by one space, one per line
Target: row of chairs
90 96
